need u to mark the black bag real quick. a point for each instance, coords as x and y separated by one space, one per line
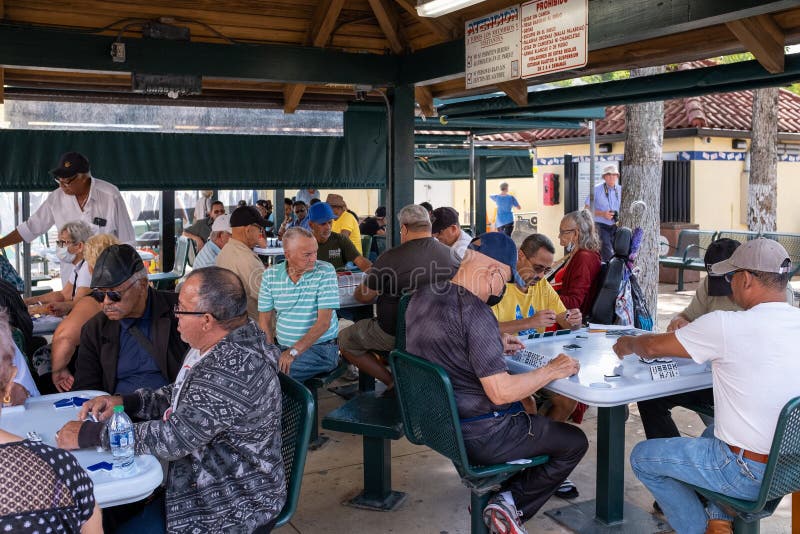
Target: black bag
641 314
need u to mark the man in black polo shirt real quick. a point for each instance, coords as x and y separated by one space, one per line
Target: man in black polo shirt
333 248
419 261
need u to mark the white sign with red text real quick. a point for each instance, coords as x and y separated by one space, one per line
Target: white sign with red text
493 47
554 36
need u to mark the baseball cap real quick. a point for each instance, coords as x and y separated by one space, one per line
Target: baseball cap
380 212
222 224
70 164
443 218
247 215
610 169
760 254
718 251
320 213
335 200
116 264
497 246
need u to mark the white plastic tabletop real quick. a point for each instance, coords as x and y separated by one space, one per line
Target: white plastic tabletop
40 415
269 251
595 384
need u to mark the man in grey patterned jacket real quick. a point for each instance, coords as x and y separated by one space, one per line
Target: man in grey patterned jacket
218 425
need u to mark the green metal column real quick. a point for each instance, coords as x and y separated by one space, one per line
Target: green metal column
610 464
167 230
277 209
480 196
400 191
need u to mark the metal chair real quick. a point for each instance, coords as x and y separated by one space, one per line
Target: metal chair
430 417
168 280
366 245
781 476
297 416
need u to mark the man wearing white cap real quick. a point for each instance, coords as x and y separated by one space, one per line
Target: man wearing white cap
607 197
220 234
754 368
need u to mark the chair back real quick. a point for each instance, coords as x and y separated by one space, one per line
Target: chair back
297 416
782 474
366 244
380 243
604 307
181 255
428 407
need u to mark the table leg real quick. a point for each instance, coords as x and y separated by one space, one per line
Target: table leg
378 494
610 464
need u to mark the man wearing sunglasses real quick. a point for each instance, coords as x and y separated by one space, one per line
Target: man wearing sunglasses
79 197
753 361
201 230
135 342
247 231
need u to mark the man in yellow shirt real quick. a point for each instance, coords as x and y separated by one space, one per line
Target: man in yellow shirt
344 223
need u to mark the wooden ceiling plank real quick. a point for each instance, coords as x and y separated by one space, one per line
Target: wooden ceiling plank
424 97
292 94
440 26
389 22
763 37
517 90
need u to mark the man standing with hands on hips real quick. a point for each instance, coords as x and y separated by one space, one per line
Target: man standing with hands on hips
607 198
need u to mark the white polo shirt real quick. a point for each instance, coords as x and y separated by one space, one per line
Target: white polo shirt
754 366
460 246
104 202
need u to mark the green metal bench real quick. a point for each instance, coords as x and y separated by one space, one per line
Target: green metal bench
689 252
781 475
168 280
296 419
742 236
791 242
430 417
313 384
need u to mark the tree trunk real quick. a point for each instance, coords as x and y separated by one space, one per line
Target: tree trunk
641 181
762 201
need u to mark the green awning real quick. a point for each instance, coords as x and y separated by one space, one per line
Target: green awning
458 169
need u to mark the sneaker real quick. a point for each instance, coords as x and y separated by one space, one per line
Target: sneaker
567 490
502 517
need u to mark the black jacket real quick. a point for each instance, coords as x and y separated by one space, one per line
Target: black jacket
96 366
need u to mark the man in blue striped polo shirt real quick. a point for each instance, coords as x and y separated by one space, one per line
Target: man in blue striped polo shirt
304 293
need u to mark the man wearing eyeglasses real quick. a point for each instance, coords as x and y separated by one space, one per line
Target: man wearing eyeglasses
247 231
201 230
80 197
135 342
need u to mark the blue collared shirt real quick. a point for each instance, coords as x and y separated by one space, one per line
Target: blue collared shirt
606 199
136 368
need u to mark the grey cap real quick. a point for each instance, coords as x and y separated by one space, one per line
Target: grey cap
116 264
761 254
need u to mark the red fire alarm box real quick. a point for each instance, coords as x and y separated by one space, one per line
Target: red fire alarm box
550 181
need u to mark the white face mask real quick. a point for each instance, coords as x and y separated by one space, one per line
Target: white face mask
570 247
65 255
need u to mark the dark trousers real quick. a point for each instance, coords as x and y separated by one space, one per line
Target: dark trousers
606 233
524 436
657 417
506 228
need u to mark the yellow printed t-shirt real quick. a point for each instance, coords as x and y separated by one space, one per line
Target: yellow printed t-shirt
517 304
347 222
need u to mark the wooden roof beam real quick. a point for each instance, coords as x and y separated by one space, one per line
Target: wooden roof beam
323 22
762 36
424 97
517 90
389 21
441 26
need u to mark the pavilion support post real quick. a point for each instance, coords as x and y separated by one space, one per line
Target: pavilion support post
167 230
277 209
480 195
26 247
400 179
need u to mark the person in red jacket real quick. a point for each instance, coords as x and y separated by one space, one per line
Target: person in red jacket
575 276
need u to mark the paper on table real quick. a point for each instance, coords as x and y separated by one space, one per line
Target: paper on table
609 327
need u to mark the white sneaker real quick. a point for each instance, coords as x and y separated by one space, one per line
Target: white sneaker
502 517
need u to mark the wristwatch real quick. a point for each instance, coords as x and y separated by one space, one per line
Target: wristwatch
293 352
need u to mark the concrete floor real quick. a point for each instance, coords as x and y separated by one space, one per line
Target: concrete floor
436 501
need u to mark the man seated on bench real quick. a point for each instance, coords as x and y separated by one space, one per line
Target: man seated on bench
304 294
420 260
755 371
452 325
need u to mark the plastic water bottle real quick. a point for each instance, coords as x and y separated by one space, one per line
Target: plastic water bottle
120 436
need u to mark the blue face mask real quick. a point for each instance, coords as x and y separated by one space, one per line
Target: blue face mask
494 300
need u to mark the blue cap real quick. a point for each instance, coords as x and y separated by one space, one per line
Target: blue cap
497 246
320 213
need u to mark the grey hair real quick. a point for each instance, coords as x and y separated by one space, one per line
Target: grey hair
221 294
78 231
504 186
415 218
294 233
587 235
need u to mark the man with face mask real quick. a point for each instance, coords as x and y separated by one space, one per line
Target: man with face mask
248 229
451 324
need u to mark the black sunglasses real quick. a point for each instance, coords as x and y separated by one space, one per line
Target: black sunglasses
114 295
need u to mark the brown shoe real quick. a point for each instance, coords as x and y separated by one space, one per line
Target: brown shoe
719 526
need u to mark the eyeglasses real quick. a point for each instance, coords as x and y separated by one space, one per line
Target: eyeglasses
729 276
177 310
65 181
564 232
60 243
261 230
540 269
114 295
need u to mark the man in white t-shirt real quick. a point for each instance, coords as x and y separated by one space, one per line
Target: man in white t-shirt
754 369
447 230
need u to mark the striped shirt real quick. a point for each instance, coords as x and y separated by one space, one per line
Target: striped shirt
297 303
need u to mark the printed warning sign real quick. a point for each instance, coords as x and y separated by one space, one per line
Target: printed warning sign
553 36
492 47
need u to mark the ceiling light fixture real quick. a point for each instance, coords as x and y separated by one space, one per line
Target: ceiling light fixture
437 8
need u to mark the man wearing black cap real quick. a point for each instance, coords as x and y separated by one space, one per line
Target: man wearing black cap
447 230
134 343
453 325
80 197
247 229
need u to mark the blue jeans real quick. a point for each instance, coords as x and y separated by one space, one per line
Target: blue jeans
319 358
663 465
